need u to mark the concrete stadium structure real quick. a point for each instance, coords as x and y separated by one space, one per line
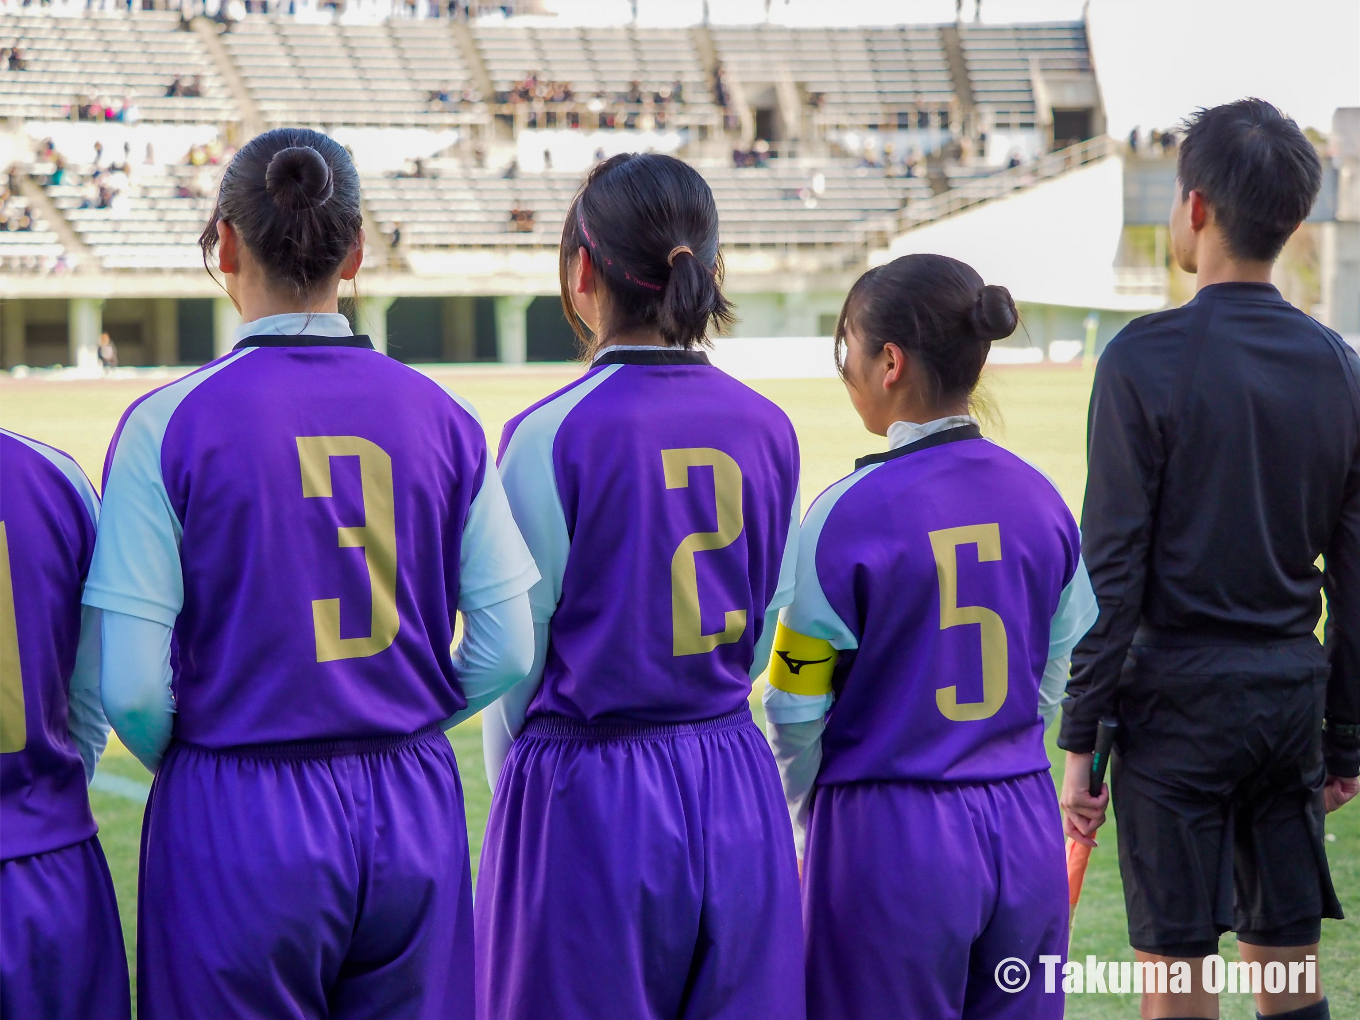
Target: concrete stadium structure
449 152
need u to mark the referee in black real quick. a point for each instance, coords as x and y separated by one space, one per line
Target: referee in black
1224 460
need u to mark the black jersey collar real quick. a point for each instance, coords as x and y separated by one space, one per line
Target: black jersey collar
954 435
303 340
654 356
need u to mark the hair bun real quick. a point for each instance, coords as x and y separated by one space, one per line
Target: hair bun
993 315
299 177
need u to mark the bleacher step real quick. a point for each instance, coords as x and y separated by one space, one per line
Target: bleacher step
40 202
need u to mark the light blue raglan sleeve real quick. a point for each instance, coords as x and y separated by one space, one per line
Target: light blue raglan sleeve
495 572
84 713
1077 612
136 577
784 590
794 722
530 479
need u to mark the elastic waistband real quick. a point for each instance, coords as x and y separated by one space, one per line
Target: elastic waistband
552 726
320 748
1219 634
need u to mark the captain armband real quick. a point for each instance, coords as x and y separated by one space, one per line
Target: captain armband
801 664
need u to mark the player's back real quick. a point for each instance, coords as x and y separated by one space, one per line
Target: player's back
941 564
1247 412
48 512
672 488
319 492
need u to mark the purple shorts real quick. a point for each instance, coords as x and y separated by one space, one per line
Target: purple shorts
639 870
307 880
916 893
61 946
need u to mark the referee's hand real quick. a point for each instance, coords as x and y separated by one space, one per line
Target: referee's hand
1082 813
1339 791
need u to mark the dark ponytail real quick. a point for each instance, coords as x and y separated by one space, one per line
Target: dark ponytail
935 309
293 196
650 227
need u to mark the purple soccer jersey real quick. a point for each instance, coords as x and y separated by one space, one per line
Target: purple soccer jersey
297 511
939 569
656 494
48 511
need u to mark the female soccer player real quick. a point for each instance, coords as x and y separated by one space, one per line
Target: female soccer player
939 594
638 861
303 517
61 946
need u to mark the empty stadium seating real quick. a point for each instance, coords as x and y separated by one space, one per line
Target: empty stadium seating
998 59
865 75
458 208
109 55
301 73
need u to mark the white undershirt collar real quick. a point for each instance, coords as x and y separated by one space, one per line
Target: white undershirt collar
629 347
900 433
296 324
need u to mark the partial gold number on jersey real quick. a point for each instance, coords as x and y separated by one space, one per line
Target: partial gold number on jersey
689 638
992 632
377 536
13 726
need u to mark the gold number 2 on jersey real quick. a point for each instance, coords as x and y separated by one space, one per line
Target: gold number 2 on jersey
995 664
13 727
689 638
377 536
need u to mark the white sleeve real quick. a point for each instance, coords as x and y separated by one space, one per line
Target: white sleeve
765 645
136 568
495 653
1077 612
788 563
134 683
494 563
797 751
502 721
85 713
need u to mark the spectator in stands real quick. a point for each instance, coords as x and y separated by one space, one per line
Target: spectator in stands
396 235
1168 143
1014 161
720 86
633 97
176 87
16 59
1133 141
150 159
522 220
677 92
194 88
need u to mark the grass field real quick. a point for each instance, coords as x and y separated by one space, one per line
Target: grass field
1038 412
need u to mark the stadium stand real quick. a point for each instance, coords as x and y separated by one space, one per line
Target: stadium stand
820 145
1002 61
855 77
383 75
109 64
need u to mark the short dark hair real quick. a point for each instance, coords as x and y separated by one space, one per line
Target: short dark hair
293 196
934 308
1259 173
631 214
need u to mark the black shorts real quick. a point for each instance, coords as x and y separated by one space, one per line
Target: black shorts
1217 790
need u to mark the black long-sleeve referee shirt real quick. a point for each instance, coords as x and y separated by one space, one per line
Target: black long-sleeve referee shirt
1223 446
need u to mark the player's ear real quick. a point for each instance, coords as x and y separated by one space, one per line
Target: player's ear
349 269
228 248
584 271
894 364
1199 211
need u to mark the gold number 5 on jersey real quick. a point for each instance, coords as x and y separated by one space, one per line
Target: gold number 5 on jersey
377 536
13 726
689 638
995 664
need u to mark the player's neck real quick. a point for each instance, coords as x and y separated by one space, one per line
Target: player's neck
257 301
1216 264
